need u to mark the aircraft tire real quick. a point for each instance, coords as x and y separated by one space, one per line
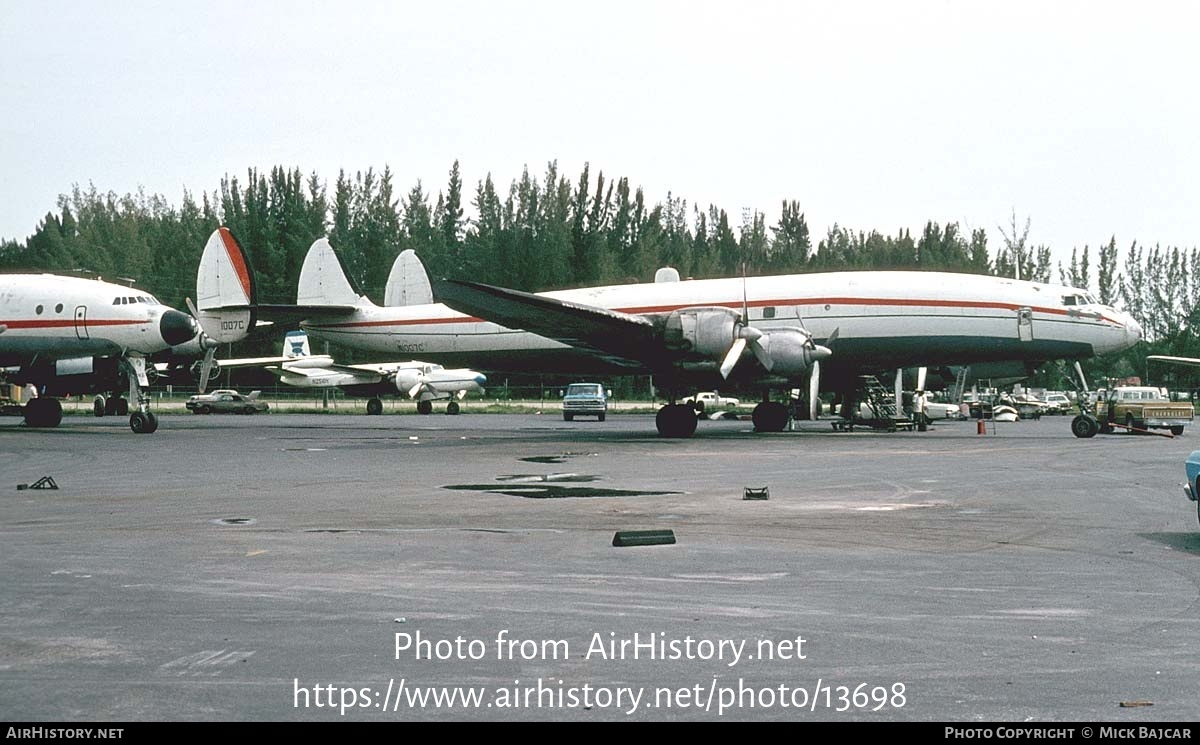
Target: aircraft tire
143 423
1083 426
676 421
452 408
98 406
374 407
43 412
121 407
424 407
770 416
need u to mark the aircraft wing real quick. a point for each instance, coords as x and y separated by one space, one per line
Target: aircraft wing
618 338
1190 361
332 375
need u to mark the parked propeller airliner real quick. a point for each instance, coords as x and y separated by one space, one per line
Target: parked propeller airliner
772 333
67 335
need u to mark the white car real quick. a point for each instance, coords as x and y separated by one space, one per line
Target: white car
1057 403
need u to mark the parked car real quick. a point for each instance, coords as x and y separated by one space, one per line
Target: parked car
1057 403
1192 488
710 401
226 402
585 399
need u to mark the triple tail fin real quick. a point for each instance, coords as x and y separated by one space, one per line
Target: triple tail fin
324 281
225 289
408 283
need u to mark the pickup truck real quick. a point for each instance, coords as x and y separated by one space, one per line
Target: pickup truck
711 401
1141 407
585 399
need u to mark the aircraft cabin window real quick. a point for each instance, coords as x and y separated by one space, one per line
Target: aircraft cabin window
38 310
768 312
58 308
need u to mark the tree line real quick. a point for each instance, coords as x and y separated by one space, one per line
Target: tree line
553 232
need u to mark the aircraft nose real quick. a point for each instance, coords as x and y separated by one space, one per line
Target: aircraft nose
176 327
1133 330
480 380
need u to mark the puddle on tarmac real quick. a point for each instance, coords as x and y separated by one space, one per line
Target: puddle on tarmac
549 459
557 490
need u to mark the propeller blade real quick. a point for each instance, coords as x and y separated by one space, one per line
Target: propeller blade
921 373
206 367
412 392
833 337
814 389
732 356
760 345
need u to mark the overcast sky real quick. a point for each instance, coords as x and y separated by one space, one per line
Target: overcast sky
1081 116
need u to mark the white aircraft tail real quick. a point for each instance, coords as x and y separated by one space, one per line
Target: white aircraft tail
408 283
323 279
225 293
295 345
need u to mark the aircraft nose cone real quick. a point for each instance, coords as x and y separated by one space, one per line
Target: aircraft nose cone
1133 330
176 328
481 380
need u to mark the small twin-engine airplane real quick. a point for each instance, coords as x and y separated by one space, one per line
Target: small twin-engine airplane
66 335
771 333
424 381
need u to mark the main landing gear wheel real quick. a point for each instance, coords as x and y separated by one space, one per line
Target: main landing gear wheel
1084 426
675 420
99 406
122 407
770 416
452 408
43 412
143 423
424 407
374 407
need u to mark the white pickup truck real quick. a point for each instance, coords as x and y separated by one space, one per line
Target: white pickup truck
711 401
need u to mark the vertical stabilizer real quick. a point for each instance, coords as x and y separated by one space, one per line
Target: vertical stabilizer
225 292
295 345
408 283
323 279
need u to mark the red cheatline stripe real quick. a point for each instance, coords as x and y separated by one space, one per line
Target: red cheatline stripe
235 257
901 302
67 323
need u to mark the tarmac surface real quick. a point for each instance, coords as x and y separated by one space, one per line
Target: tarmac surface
309 567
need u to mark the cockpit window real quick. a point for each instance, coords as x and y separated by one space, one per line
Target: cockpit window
1084 299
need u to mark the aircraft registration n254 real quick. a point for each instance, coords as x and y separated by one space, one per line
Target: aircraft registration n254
773 333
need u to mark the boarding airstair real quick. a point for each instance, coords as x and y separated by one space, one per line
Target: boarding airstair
881 404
